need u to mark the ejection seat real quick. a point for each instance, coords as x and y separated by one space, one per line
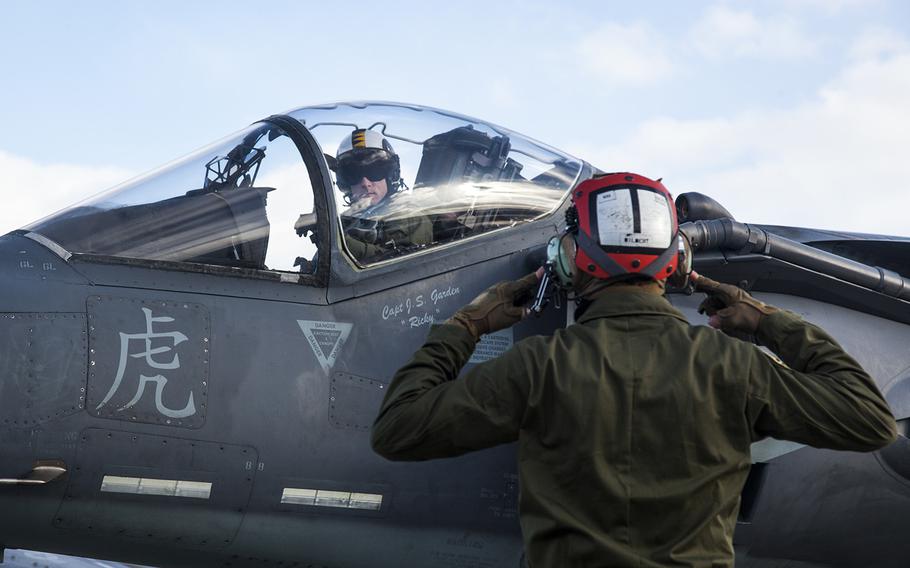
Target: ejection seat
228 228
459 156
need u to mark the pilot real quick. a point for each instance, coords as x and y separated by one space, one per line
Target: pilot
634 428
377 224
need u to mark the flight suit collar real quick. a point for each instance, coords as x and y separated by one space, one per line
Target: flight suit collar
630 300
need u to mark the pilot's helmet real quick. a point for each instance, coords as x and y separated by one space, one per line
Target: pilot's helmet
622 227
366 154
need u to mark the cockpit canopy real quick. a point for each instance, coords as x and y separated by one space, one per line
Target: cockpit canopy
251 200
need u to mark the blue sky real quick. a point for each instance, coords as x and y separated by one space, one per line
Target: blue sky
788 112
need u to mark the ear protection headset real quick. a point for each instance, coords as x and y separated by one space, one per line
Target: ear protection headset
620 226
561 259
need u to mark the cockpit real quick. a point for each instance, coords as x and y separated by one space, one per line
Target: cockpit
281 195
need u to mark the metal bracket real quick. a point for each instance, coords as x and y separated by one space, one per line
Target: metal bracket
42 473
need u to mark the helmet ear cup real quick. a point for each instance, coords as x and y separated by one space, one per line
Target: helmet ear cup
561 256
680 277
394 180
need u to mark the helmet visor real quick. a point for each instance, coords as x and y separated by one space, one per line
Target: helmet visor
351 173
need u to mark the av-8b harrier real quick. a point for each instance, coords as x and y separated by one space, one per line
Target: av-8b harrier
191 361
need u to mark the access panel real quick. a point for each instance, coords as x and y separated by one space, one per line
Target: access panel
187 492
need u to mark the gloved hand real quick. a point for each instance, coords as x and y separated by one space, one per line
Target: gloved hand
730 308
498 307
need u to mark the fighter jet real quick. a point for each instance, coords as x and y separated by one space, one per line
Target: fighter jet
192 360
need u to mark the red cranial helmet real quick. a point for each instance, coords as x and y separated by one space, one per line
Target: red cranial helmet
626 227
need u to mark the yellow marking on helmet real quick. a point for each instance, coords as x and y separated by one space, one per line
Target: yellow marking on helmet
359 139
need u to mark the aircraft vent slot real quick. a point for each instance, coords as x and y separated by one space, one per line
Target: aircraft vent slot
163 487
131 485
337 499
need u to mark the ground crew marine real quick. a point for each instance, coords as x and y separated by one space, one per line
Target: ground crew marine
634 428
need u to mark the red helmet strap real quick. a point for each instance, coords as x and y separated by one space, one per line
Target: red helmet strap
602 259
597 254
660 262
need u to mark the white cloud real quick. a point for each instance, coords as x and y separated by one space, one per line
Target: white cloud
625 54
724 32
33 190
878 42
838 162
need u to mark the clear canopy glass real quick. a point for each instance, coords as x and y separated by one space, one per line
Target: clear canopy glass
246 201
232 203
460 177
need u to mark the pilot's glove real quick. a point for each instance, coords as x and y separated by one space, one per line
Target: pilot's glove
498 307
730 308
306 223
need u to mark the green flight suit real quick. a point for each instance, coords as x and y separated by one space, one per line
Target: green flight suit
633 427
391 237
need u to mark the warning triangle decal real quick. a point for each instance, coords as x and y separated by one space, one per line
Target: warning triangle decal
326 338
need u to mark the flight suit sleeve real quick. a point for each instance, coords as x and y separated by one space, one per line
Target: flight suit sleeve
361 250
396 238
822 397
428 414
410 231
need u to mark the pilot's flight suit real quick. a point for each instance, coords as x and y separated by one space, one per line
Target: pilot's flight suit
370 240
634 427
